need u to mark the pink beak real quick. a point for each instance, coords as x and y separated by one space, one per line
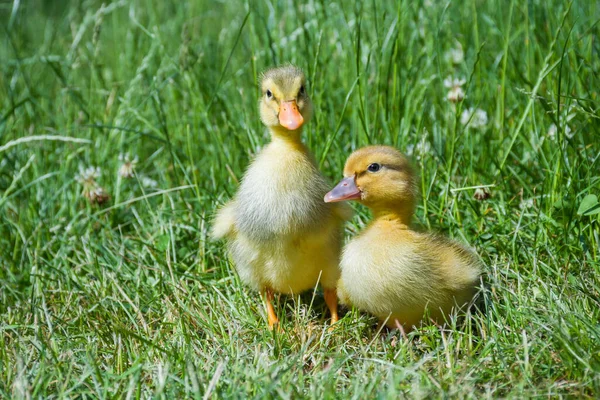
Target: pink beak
289 116
345 190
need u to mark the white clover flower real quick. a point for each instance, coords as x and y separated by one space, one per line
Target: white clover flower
525 204
148 182
88 174
127 166
553 130
422 148
474 118
97 195
456 92
455 55
564 120
91 189
450 82
568 132
482 194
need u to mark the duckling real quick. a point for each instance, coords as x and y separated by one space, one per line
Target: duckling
390 270
280 235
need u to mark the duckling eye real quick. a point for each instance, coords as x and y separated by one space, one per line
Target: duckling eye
374 167
301 92
269 94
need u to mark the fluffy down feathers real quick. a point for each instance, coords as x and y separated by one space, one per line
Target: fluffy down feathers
224 222
394 272
280 235
389 270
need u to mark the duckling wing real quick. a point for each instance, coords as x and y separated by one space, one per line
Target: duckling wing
224 222
459 266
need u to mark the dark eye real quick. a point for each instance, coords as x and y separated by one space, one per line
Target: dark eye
301 91
374 167
269 94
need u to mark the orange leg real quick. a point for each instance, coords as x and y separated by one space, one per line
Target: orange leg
272 317
401 328
332 302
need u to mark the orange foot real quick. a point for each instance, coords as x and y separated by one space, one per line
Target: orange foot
271 316
332 303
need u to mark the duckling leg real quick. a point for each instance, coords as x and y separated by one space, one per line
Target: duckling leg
272 317
400 328
332 302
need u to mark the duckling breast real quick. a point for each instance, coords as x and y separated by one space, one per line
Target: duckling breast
388 271
290 264
281 194
403 272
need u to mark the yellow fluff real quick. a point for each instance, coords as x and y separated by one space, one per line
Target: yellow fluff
280 235
390 270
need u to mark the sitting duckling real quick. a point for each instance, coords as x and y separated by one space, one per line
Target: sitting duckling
280 235
390 270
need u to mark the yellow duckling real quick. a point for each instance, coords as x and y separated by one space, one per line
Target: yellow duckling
280 235
390 270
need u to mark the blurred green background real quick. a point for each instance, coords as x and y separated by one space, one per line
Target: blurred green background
118 292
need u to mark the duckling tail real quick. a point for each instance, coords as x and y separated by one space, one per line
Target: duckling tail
224 222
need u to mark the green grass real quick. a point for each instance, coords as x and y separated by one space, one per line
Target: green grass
131 298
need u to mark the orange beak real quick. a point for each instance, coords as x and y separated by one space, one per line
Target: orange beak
289 116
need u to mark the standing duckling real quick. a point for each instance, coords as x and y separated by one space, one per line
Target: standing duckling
390 270
280 235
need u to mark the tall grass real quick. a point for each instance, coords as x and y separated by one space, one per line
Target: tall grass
130 298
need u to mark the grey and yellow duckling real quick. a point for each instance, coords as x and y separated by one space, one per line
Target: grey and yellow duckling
280 235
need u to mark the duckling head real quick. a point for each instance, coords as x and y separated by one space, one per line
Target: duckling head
284 104
381 178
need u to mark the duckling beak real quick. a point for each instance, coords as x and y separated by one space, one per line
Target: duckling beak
345 190
289 116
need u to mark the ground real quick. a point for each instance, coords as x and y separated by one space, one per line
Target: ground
124 125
